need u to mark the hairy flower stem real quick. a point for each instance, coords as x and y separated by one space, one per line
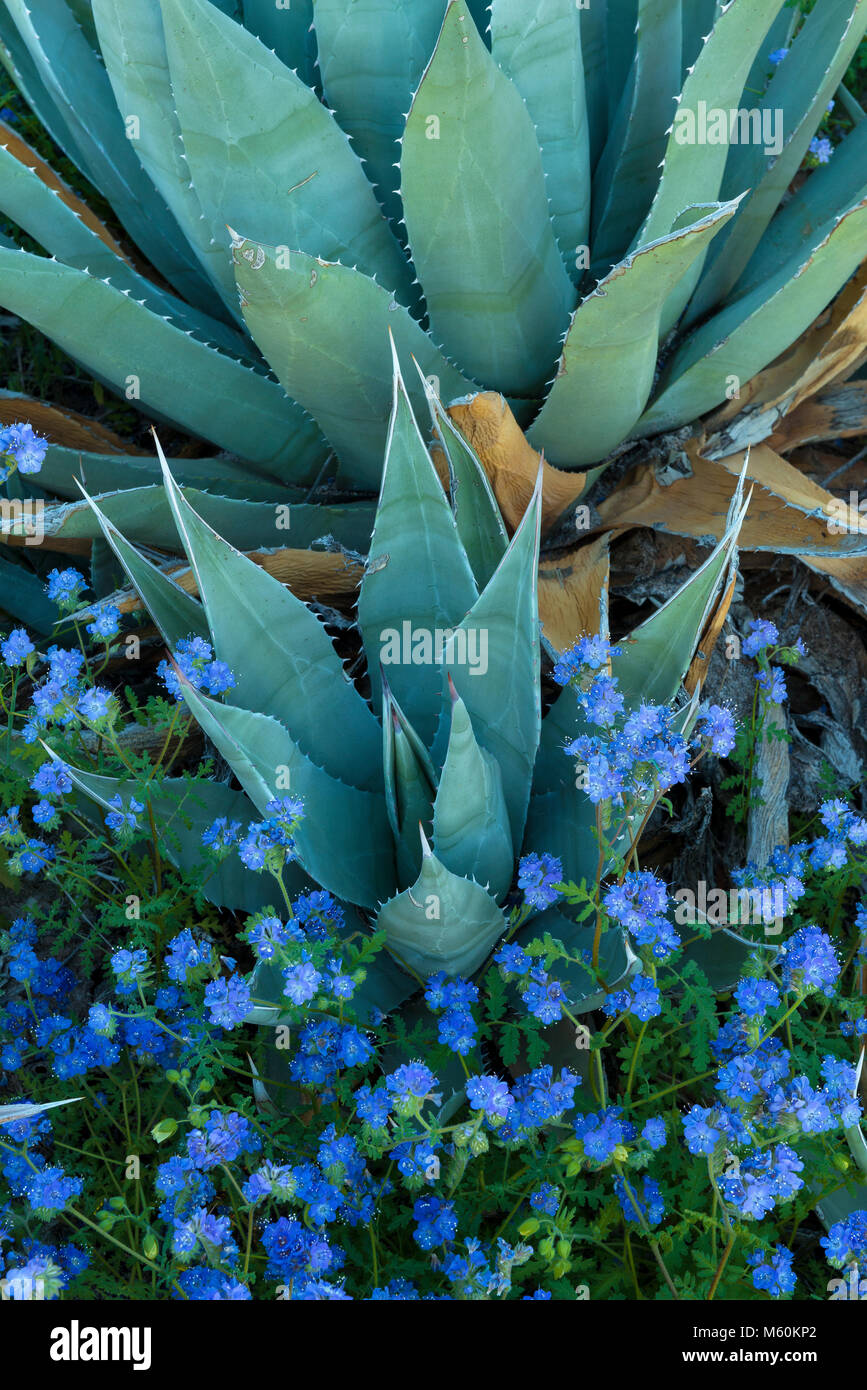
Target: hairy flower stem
720 1268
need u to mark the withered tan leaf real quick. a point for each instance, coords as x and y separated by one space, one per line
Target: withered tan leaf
573 592
511 463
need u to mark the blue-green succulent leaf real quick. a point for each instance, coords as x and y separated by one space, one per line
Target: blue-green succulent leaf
145 517
538 45
442 922
133 47
41 211
477 217
479 521
297 676
418 585
343 840
594 52
693 168
617 961
410 782
24 597
755 328
264 154
183 809
288 29
93 134
628 172
176 613
500 686
790 111
609 357
64 467
812 210
472 836
136 350
372 54
317 323
655 657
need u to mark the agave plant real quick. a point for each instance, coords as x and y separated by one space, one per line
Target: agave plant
413 821
574 217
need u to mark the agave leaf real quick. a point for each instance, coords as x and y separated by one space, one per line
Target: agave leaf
831 350
562 822
418 581
126 344
749 333
594 52
502 690
106 573
477 216
620 38
654 659
343 839
372 55
45 215
481 13
617 961
18 63
628 172
699 17
837 1205
471 829
183 808
778 36
538 45
109 472
383 990
33 164
480 525
410 783
176 613
722 958
797 97
511 463
265 154
609 357
133 48
23 596
26 1110
442 922
693 171
145 517
94 134
315 322
287 30
812 209
297 673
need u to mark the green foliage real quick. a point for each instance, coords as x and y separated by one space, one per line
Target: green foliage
461 710
506 161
